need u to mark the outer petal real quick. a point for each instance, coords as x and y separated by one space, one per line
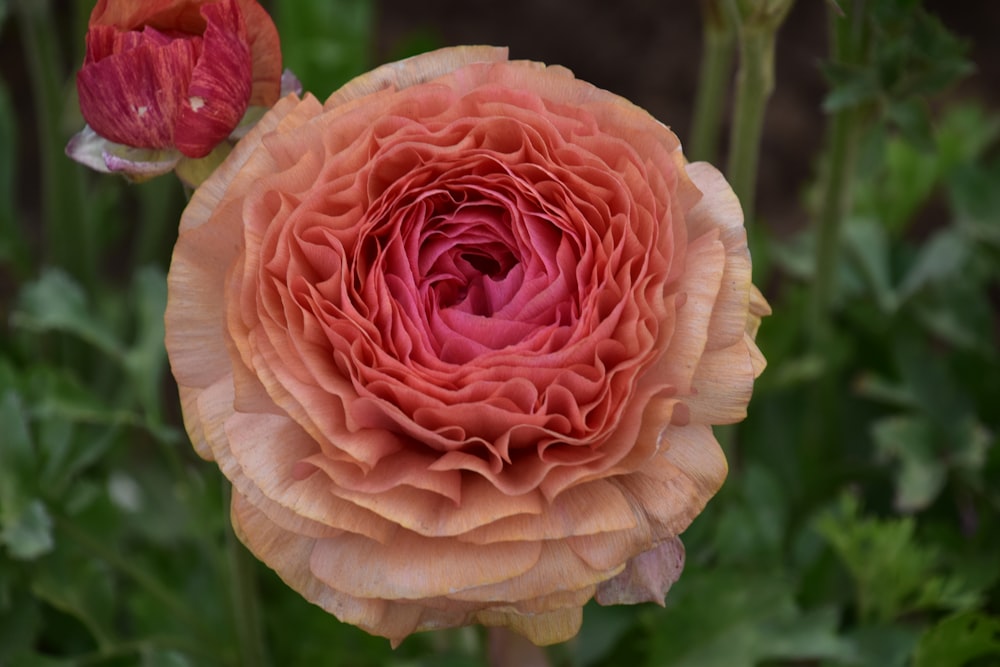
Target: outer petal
131 14
94 151
265 50
413 71
647 577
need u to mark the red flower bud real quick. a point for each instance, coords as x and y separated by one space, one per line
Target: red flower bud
176 74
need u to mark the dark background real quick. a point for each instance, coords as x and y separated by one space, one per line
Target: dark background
649 50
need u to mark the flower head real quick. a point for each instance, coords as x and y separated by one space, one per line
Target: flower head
165 80
458 338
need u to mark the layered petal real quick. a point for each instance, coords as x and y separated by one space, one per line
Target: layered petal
458 337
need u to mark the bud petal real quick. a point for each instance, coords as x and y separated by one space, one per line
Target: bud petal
132 84
136 164
220 84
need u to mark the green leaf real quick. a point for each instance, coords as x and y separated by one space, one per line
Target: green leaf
81 587
883 645
164 658
55 302
964 134
976 201
146 359
752 529
894 574
27 531
732 619
909 441
869 244
908 178
958 639
20 615
25 525
939 393
850 86
332 39
941 259
602 628
17 451
39 660
912 118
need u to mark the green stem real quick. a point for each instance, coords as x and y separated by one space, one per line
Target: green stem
65 212
246 607
754 84
716 65
843 141
823 415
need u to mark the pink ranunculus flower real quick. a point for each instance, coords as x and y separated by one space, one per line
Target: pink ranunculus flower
458 337
165 81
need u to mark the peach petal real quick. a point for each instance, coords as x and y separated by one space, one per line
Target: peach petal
558 571
673 487
288 553
194 326
722 385
694 450
430 514
593 508
720 209
540 629
413 567
759 308
192 422
265 449
700 285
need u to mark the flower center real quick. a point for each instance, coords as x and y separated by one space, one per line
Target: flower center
470 277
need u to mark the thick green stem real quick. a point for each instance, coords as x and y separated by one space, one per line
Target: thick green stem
845 135
823 416
849 44
716 66
246 606
70 240
754 85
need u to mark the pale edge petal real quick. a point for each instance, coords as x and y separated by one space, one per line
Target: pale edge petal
415 70
107 157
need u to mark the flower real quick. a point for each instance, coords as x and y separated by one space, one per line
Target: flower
165 80
458 337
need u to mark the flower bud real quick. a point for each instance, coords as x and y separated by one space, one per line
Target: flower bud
172 79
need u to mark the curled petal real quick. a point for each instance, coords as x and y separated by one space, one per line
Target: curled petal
647 577
94 151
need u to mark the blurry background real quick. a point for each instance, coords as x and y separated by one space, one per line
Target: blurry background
861 521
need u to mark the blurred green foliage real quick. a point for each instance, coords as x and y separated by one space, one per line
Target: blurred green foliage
861 522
